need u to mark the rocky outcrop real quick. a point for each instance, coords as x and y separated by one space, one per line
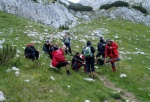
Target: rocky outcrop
97 3
128 14
54 14
146 5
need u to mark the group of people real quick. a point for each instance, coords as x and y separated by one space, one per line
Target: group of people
86 58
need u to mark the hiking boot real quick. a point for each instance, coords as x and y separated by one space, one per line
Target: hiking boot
68 73
90 76
107 61
94 76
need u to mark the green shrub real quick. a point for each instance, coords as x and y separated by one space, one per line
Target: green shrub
79 7
115 96
115 4
35 0
106 6
120 4
54 1
140 8
64 27
6 53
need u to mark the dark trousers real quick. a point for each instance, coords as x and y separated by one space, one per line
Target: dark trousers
76 66
112 61
69 48
90 64
33 55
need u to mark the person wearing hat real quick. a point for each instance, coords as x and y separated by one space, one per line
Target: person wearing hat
77 62
31 52
111 50
100 49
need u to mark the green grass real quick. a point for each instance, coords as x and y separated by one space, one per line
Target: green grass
39 88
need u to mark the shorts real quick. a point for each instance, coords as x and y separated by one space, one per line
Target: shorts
61 64
99 54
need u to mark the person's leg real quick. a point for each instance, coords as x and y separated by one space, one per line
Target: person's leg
88 61
85 69
92 64
113 60
37 54
33 56
97 55
44 49
29 56
75 66
113 66
62 64
69 48
66 64
92 68
66 51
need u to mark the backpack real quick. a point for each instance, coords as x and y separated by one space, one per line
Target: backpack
87 52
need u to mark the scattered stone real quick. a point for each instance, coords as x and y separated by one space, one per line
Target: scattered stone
15 68
17 73
88 79
52 78
123 75
27 80
86 101
2 98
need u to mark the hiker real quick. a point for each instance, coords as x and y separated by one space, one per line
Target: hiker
88 53
59 60
50 50
66 40
77 62
101 51
31 52
46 47
53 48
111 50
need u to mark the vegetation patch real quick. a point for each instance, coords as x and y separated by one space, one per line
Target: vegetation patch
141 9
79 7
7 53
115 4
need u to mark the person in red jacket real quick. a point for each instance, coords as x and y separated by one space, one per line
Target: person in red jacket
111 50
58 59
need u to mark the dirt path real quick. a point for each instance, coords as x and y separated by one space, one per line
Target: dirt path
126 95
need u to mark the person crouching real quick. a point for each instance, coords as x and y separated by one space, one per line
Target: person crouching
77 62
58 59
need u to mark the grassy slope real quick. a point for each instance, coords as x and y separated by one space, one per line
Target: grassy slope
38 72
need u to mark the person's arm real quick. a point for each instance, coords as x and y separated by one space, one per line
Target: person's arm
92 49
76 60
115 46
105 54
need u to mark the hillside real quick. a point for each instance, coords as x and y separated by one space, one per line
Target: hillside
34 83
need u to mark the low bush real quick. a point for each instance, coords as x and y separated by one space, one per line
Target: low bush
120 4
64 27
6 53
140 8
115 4
106 6
79 7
